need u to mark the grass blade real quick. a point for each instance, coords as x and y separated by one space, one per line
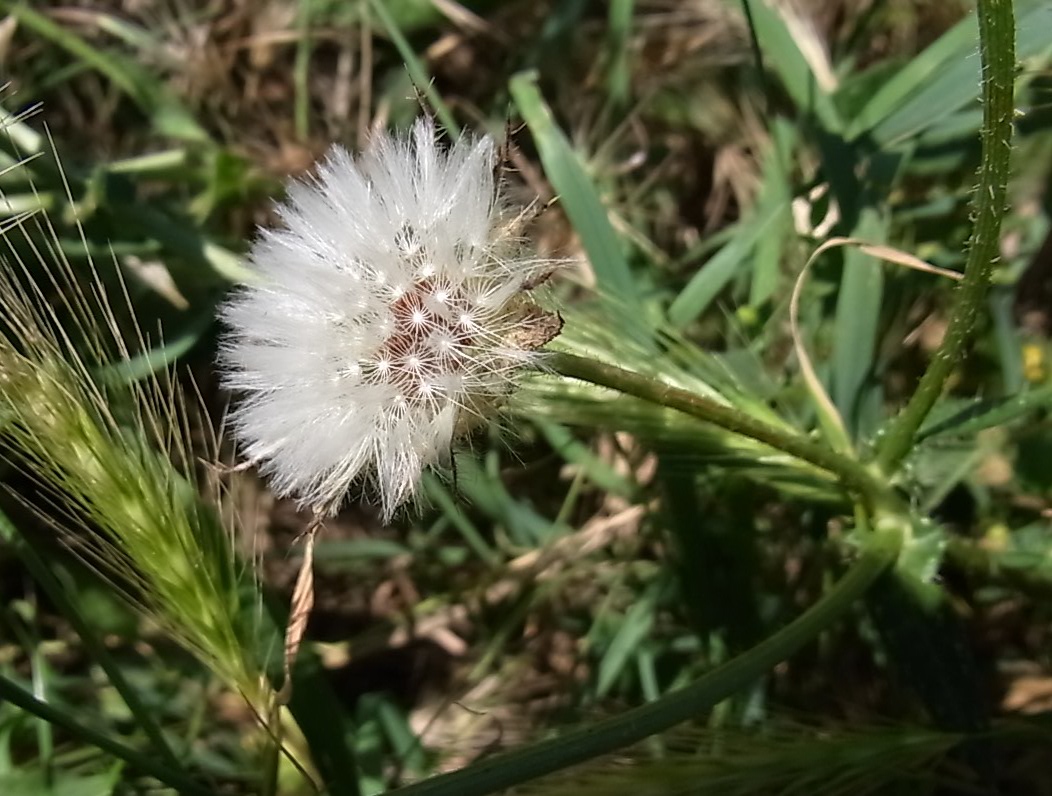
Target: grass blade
168 115
417 71
20 698
714 275
782 52
576 191
911 103
857 318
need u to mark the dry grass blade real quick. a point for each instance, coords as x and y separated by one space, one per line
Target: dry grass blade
299 613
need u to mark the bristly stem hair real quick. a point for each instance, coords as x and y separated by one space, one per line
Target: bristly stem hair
997 51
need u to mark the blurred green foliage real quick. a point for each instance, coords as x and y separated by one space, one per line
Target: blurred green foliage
595 550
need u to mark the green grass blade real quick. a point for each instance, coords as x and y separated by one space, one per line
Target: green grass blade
953 46
919 101
619 31
857 317
635 627
173 778
301 70
717 272
782 54
576 192
417 71
142 366
776 193
168 115
987 414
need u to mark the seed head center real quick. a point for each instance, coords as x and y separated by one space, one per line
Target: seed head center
428 341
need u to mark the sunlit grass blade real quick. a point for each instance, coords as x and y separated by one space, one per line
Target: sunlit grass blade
618 42
167 114
943 81
765 222
782 35
415 67
577 195
776 193
856 326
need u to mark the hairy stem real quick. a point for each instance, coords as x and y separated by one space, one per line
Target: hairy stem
997 51
503 771
852 473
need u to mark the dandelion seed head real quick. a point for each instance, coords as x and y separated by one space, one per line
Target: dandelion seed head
390 312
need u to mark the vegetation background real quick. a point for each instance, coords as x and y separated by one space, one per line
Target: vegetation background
591 553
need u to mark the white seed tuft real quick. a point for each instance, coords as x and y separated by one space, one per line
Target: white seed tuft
389 313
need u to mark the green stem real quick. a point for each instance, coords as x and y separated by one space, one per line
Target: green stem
997 52
513 768
56 592
851 472
173 778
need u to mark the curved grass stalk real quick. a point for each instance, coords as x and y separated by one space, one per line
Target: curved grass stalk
997 51
492 775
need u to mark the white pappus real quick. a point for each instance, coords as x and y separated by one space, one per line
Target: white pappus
389 314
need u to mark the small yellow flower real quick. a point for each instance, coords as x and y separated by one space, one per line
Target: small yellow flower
1035 363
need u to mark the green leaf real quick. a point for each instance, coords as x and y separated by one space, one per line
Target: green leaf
857 317
781 51
635 627
718 271
943 79
576 192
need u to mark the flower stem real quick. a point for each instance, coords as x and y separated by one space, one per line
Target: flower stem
852 473
495 774
997 51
